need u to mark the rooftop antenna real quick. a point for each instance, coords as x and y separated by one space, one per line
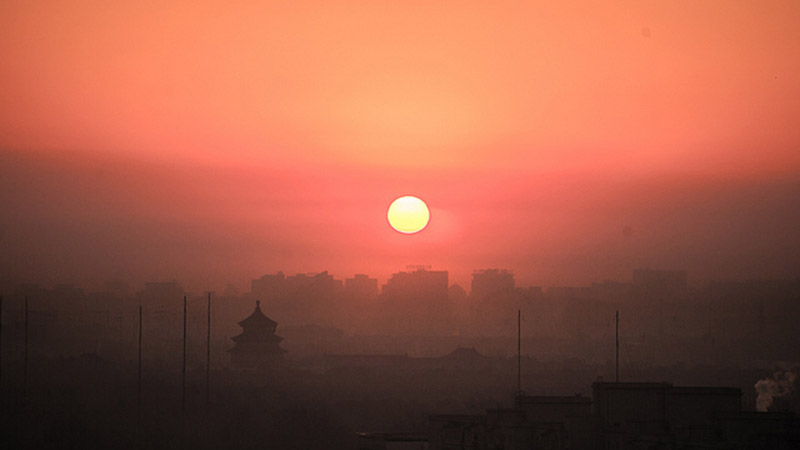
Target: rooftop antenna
519 352
616 373
208 350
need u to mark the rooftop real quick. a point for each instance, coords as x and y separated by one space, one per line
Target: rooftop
257 319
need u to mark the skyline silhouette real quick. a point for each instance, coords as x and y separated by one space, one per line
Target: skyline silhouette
728 345
88 219
399 225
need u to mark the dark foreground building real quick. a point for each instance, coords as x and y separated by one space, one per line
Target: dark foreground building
660 415
619 416
392 441
258 347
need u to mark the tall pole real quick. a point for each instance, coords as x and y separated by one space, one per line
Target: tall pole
1 340
208 350
183 383
139 372
25 355
519 352
616 373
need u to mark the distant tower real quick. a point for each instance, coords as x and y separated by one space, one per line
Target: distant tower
258 345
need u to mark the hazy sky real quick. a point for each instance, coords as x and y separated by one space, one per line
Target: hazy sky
568 141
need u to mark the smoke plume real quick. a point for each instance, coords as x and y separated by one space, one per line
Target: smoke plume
781 383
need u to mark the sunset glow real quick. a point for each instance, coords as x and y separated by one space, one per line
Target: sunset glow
258 134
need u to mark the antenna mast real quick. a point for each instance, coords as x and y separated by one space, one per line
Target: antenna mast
208 350
519 352
25 362
139 373
183 382
616 374
1 339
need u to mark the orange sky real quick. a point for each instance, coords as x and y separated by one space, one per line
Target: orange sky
273 135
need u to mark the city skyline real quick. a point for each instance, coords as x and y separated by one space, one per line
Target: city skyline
371 225
569 142
357 280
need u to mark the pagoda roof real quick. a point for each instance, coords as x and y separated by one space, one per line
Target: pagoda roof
464 353
272 349
257 319
267 338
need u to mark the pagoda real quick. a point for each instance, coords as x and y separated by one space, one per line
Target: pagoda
258 345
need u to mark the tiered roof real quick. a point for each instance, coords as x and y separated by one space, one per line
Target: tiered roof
258 320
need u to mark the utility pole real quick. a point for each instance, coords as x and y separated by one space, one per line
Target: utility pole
1 341
616 376
183 383
208 351
519 352
25 355
139 373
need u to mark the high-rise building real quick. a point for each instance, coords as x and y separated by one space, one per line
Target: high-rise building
491 281
420 284
361 286
299 299
417 302
269 286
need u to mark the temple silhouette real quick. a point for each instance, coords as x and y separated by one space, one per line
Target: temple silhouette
258 347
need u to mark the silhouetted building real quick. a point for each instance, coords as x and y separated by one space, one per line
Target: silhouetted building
620 416
457 431
258 345
629 411
392 441
491 281
419 284
659 283
541 422
609 291
361 286
417 303
299 299
462 358
314 283
268 286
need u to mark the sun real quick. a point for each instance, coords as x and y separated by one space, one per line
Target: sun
408 214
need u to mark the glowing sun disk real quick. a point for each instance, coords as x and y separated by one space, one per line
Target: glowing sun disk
408 214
